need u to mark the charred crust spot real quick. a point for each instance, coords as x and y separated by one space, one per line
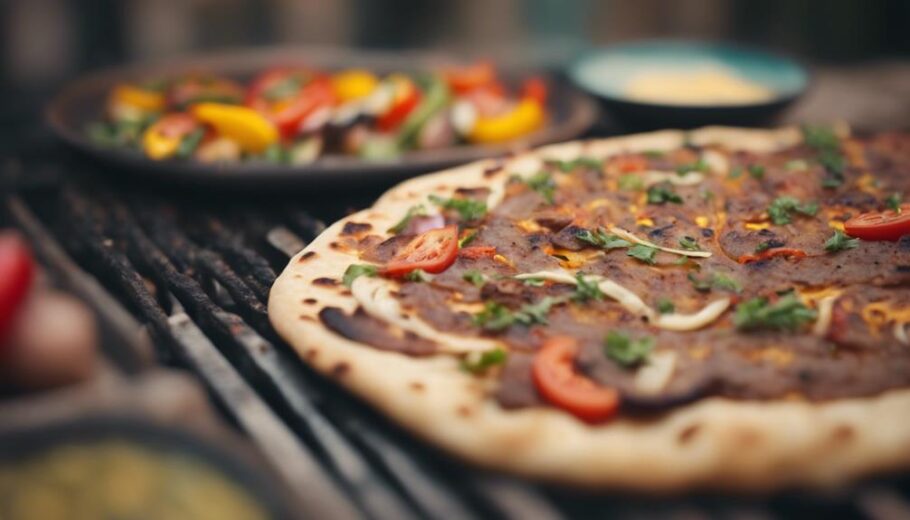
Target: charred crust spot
304 317
688 434
490 171
340 369
464 411
472 192
843 434
417 386
310 301
335 245
306 256
707 232
747 438
329 282
311 354
355 228
346 292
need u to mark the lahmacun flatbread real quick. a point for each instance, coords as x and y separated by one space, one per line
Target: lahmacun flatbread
662 311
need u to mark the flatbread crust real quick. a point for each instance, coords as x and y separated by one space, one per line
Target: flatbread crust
714 442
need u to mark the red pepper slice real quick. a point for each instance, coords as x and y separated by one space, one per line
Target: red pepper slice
887 225
556 379
407 97
475 252
789 252
466 79
432 252
290 111
535 88
17 270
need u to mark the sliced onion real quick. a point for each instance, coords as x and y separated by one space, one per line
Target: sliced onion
622 233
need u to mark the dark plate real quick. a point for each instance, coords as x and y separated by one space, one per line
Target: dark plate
604 72
82 101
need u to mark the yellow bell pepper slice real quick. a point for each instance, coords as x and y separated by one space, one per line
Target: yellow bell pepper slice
139 98
158 146
353 84
526 117
253 132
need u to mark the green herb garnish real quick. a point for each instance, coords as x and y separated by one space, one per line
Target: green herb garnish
467 239
626 351
417 275
542 183
643 253
600 238
840 241
756 171
796 165
631 182
653 154
497 317
689 244
568 166
663 193
826 145
475 277
480 362
893 202
665 306
782 208
736 172
413 211
355 271
534 281
586 290
787 313
469 209
717 281
698 166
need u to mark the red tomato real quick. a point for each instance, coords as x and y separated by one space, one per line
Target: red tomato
788 252
407 98
291 109
629 163
17 269
535 88
559 383
433 252
466 79
474 252
880 225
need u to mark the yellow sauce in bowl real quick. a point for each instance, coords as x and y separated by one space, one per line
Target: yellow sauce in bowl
712 85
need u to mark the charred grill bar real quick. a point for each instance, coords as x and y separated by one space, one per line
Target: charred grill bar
198 280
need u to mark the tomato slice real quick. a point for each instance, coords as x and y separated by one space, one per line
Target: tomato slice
559 383
788 252
288 97
433 252
880 225
407 97
466 79
629 163
17 270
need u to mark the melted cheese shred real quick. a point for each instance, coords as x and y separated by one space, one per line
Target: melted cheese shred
652 378
627 235
634 304
879 313
375 297
652 177
825 307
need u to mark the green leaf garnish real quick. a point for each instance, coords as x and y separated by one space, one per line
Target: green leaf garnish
663 193
665 306
643 253
417 275
756 171
689 244
782 208
840 241
826 145
601 239
534 281
542 183
414 211
568 166
893 202
698 166
469 209
736 172
788 313
467 239
480 362
631 182
717 281
496 317
625 351
475 277
355 271
586 290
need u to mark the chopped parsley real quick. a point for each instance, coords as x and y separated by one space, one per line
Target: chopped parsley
653 154
689 244
626 351
826 145
413 211
534 281
468 209
586 290
355 271
893 202
496 317
643 253
631 182
840 241
467 239
756 171
706 195
717 281
542 183
600 238
736 172
475 277
698 166
417 275
663 193
782 208
796 165
480 362
768 244
587 162
665 306
787 313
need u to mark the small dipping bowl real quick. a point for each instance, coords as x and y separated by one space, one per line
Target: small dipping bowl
754 86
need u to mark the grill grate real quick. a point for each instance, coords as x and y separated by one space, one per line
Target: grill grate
198 278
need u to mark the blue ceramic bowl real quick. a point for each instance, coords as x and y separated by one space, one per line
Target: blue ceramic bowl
606 72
